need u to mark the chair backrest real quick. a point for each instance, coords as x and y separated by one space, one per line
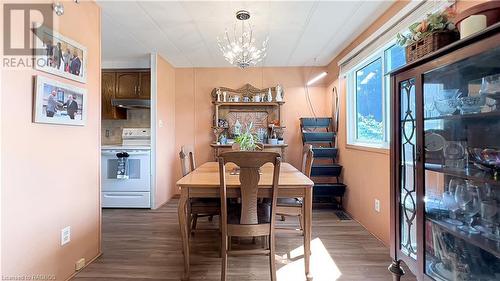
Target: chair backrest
307 159
187 159
249 163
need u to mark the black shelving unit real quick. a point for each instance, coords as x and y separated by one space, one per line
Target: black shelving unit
328 187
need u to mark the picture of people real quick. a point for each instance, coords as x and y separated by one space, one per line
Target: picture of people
59 55
59 103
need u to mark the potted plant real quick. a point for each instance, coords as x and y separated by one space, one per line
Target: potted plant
432 33
248 141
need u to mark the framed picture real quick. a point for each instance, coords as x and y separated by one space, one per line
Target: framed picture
59 103
59 55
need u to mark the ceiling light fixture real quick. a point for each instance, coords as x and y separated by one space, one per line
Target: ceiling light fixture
319 76
241 51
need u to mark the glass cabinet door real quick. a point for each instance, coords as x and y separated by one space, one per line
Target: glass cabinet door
407 169
462 169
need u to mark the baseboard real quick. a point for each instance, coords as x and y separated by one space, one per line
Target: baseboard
91 261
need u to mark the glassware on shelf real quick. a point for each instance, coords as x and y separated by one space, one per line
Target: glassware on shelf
467 197
451 205
490 87
447 107
472 104
490 84
449 93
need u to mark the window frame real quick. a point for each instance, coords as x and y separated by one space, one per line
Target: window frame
351 106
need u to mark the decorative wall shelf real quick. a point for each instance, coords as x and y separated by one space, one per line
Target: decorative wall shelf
260 113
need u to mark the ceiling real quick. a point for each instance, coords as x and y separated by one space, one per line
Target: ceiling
301 33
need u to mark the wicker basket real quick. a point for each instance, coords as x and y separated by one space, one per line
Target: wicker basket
429 44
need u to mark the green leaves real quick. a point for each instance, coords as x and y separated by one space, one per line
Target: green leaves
247 140
436 22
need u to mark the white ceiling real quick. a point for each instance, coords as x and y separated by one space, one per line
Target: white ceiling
185 32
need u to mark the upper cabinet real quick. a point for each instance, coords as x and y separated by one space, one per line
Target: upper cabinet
108 87
123 84
144 85
127 84
133 85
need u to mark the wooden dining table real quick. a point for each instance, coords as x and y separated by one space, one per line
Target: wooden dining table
204 182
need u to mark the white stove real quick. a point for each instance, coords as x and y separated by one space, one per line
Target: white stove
128 185
136 136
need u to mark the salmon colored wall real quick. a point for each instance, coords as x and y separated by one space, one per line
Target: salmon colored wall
194 110
367 171
50 173
165 126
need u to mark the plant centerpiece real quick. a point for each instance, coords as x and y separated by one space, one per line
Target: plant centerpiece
248 141
432 33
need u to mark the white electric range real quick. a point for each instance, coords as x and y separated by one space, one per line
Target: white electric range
126 171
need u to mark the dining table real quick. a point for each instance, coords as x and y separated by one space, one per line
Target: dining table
204 182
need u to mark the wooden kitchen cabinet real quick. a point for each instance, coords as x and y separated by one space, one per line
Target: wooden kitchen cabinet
144 85
108 87
123 84
127 85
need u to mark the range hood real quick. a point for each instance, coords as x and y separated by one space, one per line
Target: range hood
131 103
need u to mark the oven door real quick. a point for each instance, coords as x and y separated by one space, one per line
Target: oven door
139 171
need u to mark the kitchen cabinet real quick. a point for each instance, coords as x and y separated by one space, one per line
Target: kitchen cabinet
445 162
108 87
144 85
133 85
123 84
127 84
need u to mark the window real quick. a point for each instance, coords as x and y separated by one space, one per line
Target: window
368 91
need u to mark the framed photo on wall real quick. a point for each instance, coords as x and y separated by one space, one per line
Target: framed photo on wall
59 55
59 103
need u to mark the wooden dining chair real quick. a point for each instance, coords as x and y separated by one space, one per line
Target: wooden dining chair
200 207
294 206
250 218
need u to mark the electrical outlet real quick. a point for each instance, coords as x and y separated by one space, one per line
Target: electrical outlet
65 235
377 205
80 264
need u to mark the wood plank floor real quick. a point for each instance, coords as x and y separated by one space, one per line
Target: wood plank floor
145 245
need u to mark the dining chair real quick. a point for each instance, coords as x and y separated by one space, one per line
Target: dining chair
200 207
294 206
250 218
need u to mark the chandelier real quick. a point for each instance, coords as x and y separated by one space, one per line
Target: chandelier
241 51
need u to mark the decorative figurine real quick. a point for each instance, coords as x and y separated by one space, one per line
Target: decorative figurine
237 128
269 95
279 92
224 95
218 95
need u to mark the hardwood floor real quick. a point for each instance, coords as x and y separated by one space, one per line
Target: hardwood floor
145 245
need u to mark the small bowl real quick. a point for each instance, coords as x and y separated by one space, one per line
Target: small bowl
449 94
472 104
486 159
446 107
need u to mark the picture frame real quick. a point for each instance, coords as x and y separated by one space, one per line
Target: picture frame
59 55
59 103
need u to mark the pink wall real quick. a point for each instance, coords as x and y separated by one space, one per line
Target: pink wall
165 127
194 110
50 173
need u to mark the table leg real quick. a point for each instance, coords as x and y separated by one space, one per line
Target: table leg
307 232
184 226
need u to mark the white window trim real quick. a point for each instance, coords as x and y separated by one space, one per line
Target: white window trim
351 102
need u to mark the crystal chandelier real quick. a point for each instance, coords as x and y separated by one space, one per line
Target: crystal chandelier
242 51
